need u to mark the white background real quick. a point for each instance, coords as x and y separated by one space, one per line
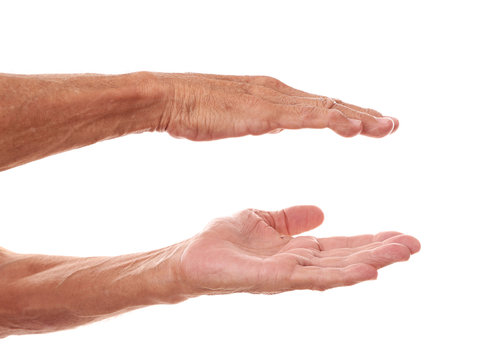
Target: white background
421 61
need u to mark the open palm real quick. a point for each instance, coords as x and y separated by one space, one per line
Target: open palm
254 251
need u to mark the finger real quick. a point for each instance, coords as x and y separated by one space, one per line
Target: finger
338 242
384 235
306 116
320 113
371 125
293 220
318 278
368 111
294 112
277 85
294 95
410 242
358 108
379 257
278 111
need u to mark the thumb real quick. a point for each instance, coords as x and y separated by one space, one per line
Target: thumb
294 220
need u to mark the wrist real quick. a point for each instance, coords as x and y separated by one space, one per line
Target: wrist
163 281
154 90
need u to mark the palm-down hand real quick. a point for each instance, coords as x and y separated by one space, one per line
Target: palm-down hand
209 107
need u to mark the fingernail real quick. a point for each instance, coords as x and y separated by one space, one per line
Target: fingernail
386 120
396 123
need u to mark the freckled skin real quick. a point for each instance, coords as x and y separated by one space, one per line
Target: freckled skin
253 251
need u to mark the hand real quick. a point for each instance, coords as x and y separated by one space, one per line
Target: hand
209 107
254 251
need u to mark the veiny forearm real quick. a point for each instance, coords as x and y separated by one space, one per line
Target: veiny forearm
40 293
42 115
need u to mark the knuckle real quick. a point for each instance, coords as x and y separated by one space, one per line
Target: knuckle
250 212
334 115
328 103
245 214
270 81
310 242
265 215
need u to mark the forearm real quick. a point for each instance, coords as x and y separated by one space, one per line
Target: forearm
42 115
41 293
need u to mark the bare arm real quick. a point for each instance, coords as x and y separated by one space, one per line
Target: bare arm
47 114
42 115
40 293
253 251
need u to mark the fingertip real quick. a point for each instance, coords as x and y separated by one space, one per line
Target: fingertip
415 245
386 126
411 242
370 272
301 218
317 214
394 252
394 121
396 124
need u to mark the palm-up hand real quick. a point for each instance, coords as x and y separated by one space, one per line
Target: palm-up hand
254 251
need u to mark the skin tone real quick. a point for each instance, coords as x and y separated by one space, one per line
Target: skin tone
253 251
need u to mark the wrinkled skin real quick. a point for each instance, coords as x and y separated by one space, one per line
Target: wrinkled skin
255 251
76 110
252 251
209 107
